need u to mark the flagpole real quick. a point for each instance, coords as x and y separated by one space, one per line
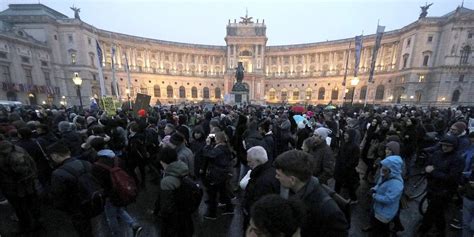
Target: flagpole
128 82
344 82
114 80
101 74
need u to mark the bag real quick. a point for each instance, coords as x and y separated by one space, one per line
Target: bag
341 202
189 195
22 165
124 187
90 192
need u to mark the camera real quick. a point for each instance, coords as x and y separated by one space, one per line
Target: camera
212 137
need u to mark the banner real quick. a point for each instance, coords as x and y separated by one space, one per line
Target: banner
358 50
141 102
108 105
378 40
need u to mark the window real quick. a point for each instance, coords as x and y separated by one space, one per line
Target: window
245 53
28 76
271 94
469 35
402 80
5 73
194 92
94 78
274 60
25 60
418 96
313 58
421 78
430 38
461 78
284 95
286 59
408 42
169 92
70 38
217 93
296 95
47 78
44 63
205 93
426 58
144 90
156 91
465 52
92 58
300 59
325 57
89 41
3 55
309 94
73 58
55 37
405 60
363 93
334 93
379 92
321 93
182 92
456 96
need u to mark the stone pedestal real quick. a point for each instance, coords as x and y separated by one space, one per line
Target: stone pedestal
240 93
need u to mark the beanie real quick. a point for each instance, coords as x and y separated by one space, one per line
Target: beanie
394 147
322 132
461 126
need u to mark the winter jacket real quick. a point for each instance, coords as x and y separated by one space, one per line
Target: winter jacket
186 155
270 146
217 164
323 159
174 223
197 147
34 150
347 161
262 182
323 216
445 177
102 175
388 190
73 140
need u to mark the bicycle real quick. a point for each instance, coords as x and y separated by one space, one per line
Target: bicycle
415 186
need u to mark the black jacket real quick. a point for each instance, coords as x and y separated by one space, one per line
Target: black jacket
269 140
216 164
73 140
323 216
447 172
346 163
262 182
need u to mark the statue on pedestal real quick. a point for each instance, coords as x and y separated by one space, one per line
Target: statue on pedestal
76 12
239 73
424 10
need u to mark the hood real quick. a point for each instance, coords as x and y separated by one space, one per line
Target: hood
395 164
177 169
107 153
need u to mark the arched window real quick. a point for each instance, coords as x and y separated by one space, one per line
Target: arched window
194 92
321 93
156 91
182 92
363 92
271 94
426 58
284 95
334 93
169 91
379 92
296 94
217 93
309 94
456 96
205 93
405 60
418 96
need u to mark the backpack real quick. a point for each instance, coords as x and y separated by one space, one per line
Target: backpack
341 202
89 191
189 195
124 187
22 165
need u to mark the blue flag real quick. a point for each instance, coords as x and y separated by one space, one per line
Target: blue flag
358 50
99 53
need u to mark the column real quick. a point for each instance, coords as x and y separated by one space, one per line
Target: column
228 56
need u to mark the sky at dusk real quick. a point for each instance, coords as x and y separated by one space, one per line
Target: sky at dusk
288 22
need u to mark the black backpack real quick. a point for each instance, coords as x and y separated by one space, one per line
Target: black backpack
89 191
189 195
343 204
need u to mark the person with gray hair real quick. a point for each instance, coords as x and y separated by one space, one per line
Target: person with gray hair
262 180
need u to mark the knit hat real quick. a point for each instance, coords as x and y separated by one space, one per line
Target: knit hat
107 153
394 147
460 126
322 132
449 140
90 120
64 126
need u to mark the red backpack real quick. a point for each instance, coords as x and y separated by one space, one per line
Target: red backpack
124 188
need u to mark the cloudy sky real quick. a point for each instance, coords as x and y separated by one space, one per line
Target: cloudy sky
288 22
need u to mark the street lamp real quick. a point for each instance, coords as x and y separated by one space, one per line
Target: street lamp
354 83
78 82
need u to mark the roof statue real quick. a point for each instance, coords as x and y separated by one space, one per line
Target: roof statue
76 12
246 20
424 10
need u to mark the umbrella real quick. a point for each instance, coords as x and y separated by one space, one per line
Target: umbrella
330 107
298 109
298 118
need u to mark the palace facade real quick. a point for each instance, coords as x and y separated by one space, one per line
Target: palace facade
428 62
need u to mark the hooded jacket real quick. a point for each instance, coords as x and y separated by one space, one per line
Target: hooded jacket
388 190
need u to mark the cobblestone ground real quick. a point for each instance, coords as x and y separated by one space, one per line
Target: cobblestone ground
57 224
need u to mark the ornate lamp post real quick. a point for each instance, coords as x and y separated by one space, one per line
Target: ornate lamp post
354 83
78 82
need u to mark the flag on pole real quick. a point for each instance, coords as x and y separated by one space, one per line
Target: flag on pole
101 75
114 81
378 40
358 50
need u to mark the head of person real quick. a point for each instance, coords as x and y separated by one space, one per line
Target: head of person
166 156
25 133
169 129
58 152
198 133
321 134
448 143
273 216
256 156
392 149
310 143
391 166
42 129
293 169
221 138
349 135
264 126
457 128
176 140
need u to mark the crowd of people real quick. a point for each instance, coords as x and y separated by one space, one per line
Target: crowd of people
279 164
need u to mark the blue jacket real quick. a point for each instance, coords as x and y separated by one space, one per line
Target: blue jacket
388 190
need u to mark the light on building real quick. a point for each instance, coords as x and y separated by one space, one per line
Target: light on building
347 90
127 91
443 98
63 97
355 81
411 97
390 97
76 79
43 102
31 95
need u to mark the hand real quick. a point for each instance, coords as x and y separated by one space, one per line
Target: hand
208 141
429 169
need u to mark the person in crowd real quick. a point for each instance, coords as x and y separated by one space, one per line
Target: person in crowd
262 180
370 135
185 154
216 172
64 186
443 170
137 155
347 160
321 155
323 216
268 138
198 141
174 222
71 138
458 129
273 216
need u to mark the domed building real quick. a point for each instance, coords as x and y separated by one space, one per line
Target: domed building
428 62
